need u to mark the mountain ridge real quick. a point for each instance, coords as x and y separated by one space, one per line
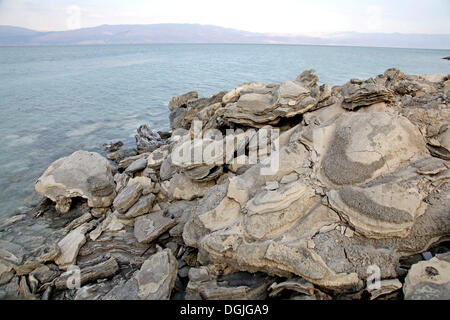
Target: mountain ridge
196 33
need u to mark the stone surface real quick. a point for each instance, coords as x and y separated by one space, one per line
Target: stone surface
181 101
82 174
154 281
429 280
102 270
137 165
206 284
127 197
147 140
143 206
183 188
70 245
359 176
149 227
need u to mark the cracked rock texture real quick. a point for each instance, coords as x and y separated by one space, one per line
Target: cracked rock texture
363 181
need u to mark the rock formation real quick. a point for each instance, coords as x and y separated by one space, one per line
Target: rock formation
350 179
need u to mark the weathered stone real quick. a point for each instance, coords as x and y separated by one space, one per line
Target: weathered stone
137 165
154 281
260 105
181 101
120 155
183 188
156 158
147 140
157 276
149 227
127 197
289 178
206 284
70 245
386 287
128 161
365 94
102 270
357 147
112 146
298 285
148 186
82 174
143 206
429 280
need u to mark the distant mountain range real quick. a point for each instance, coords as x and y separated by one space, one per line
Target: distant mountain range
195 33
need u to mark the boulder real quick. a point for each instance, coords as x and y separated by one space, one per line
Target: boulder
82 174
147 140
429 280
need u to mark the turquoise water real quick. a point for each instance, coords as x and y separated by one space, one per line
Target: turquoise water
56 100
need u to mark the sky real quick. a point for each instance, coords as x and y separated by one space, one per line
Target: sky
268 16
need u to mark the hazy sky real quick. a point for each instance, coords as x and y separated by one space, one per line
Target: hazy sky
279 16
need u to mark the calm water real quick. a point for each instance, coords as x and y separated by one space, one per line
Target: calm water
56 100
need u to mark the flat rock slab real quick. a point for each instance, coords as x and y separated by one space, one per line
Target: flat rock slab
149 227
127 197
70 245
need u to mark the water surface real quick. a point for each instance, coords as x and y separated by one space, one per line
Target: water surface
56 100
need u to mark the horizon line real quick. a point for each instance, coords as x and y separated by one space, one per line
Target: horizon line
229 28
215 43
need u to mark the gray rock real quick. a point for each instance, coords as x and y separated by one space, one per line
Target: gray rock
143 206
181 101
119 155
102 270
127 197
147 140
429 280
82 174
154 281
112 146
149 227
206 284
137 165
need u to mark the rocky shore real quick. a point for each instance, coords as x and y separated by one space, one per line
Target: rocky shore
323 193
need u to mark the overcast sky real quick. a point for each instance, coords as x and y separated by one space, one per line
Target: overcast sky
278 16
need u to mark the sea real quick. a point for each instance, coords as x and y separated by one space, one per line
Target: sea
56 100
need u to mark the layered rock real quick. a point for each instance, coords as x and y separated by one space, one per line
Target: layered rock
82 174
354 178
429 280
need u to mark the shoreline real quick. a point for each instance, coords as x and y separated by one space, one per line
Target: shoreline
363 180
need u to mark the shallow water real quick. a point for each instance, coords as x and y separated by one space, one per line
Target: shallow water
56 100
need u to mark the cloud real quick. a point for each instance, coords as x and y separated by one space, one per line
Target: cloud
73 17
